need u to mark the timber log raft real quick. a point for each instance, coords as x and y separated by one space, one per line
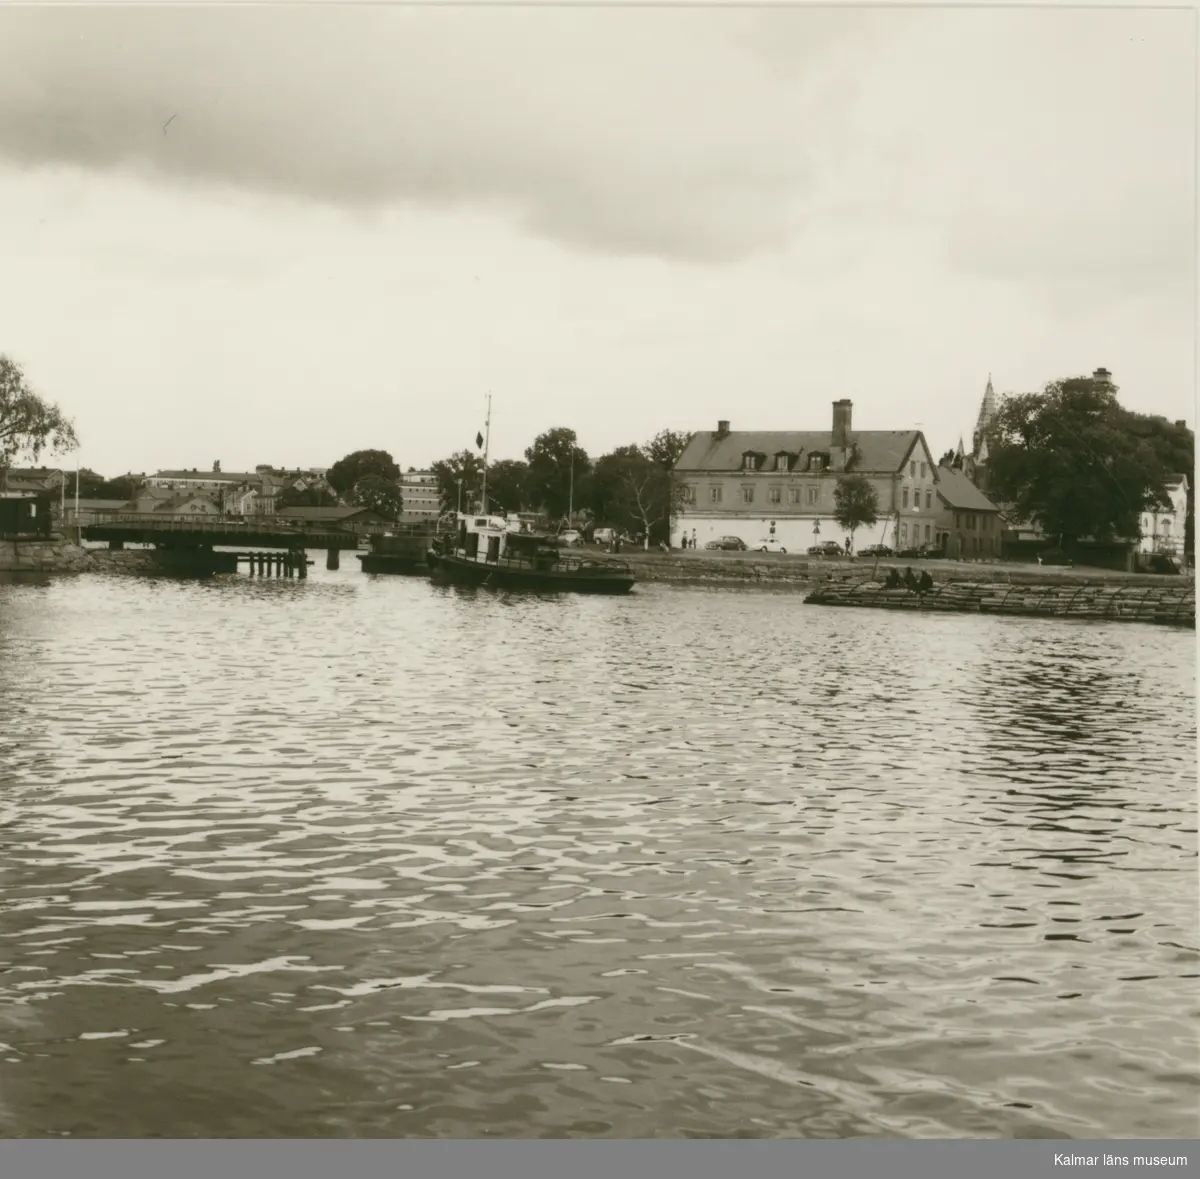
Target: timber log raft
1167 605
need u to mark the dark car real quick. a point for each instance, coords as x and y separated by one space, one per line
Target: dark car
733 544
827 548
875 550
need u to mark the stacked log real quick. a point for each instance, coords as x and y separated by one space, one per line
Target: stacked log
1166 605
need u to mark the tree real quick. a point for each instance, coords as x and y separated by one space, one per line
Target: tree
380 494
28 423
1068 459
665 447
558 471
506 485
370 479
947 460
305 497
346 472
855 503
634 492
466 467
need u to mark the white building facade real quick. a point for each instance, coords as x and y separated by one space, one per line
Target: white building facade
779 485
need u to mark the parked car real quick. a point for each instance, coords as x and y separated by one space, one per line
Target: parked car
827 548
733 544
875 550
770 544
604 535
571 536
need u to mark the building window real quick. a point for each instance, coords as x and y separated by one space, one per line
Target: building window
714 495
689 494
928 499
957 520
781 462
775 494
816 462
747 462
927 535
747 495
923 476
912 470
793 495
812 495
904 533
904 498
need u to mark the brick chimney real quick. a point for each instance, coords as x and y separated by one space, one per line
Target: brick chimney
841 422
1102 374
722 429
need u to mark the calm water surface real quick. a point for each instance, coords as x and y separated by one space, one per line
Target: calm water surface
367 857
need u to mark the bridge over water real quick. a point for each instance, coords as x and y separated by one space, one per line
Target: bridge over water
194 539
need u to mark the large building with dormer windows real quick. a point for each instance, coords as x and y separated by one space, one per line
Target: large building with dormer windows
759 485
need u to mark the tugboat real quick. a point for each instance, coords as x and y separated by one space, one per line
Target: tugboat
490 551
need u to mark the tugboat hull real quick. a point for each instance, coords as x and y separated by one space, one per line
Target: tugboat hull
461 571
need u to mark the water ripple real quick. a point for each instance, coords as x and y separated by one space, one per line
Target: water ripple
690 864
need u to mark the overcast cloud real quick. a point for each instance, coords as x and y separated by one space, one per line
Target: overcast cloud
669 183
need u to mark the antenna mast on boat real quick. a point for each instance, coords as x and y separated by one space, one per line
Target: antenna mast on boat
487 438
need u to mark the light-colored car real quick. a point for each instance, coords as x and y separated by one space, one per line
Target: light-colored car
570 537
770 544
604 535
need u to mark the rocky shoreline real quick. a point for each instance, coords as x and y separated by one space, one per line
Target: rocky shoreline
60 555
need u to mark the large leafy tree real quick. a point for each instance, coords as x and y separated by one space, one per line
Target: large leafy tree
632 491
506 485
665 447
359 464
466 467
558 471
370 479
29 424
855 503
1068 459
380 494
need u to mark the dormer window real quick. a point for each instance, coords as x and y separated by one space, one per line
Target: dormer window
816 462
749 462
781 462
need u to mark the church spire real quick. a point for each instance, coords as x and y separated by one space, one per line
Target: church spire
987 411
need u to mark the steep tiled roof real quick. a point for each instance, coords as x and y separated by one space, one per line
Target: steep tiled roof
959 492
880 451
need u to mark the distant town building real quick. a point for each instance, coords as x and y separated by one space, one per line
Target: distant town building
779 484
1163 530
969 524
364 521
422 499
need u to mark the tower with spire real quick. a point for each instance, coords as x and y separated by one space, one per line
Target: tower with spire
974 465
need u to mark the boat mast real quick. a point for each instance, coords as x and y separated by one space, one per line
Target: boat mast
487 438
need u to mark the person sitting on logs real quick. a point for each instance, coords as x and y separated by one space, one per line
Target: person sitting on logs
926 582
893 579
910 580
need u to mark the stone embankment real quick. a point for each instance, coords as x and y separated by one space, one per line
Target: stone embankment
799 572
59 555
1165 604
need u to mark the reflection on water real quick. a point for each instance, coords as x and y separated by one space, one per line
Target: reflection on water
363 856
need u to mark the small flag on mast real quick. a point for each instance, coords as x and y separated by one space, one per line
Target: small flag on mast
479 441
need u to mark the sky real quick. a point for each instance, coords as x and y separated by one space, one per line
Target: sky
280 234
